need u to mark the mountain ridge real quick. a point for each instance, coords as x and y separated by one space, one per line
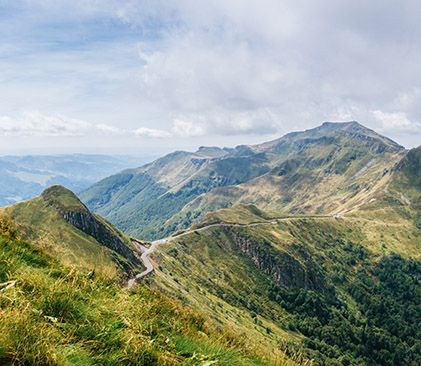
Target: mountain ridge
176 190
316 246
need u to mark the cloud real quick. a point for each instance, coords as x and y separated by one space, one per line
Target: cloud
188 128
35 123
109 130
141 131
396 120
301 62
213 68
218 122
151 132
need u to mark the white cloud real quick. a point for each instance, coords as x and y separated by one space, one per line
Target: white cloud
223 63
109 130
189 128
34 123
141 131
219 122
213 68
395 120
151 132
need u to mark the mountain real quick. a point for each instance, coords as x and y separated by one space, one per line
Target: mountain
62 225
25 177
328 169
311 241
309 245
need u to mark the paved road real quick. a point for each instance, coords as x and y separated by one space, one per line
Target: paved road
147 262
149 266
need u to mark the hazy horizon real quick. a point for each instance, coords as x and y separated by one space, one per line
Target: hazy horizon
153 152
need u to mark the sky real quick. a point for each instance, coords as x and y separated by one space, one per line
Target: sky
153 76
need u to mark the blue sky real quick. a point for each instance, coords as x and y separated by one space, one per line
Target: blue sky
154 76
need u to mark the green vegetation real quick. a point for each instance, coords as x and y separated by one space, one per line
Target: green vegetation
60 224
313 247
55 315
163 188
242 214
321 283
378 325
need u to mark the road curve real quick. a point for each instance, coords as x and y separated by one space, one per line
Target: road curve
149 266
146 261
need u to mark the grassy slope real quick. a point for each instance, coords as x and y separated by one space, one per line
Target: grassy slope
324 178
41 221
140 201
206 268
53 315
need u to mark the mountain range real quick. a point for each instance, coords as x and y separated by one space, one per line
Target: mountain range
303 248
327 170
25 177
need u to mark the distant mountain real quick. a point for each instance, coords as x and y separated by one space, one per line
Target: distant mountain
62 225
25 177
294 174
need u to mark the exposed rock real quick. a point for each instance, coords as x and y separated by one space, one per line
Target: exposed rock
87 223
283 268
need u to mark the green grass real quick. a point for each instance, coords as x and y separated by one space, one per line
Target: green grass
290 260
56 315
41 222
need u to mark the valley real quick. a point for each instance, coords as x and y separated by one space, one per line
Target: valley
25 177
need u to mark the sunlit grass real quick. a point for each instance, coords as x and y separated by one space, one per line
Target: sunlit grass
55 315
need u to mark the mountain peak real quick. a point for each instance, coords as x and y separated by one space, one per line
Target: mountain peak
327 127
344 125
351 130
63 199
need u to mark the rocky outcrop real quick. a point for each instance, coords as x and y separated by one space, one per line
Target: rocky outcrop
285 270
86 222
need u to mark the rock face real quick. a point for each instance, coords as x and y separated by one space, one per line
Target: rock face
87 223
286 270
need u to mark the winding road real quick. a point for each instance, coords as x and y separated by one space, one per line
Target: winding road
151 249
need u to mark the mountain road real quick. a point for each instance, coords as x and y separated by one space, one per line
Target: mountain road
151 249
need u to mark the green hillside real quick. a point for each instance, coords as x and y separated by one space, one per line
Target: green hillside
60 224
307 245
54 315
332 174
333 168
346 289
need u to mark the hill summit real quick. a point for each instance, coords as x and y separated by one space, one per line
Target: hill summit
61 224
